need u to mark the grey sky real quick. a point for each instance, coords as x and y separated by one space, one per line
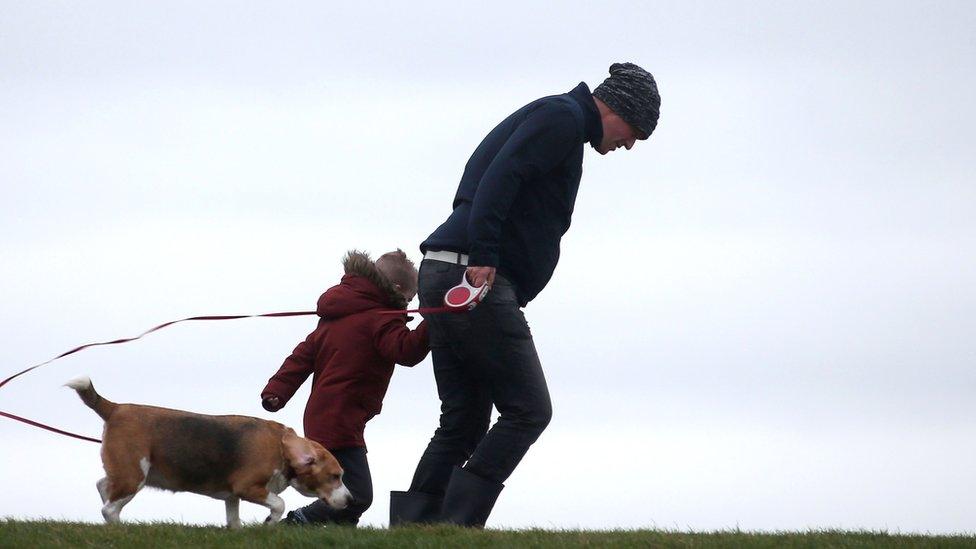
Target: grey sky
762 316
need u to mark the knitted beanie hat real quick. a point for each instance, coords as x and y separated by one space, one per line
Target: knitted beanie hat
632 93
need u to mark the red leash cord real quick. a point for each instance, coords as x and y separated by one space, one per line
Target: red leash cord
427 310
49 428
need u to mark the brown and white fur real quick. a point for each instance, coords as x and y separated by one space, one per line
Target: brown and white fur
225 457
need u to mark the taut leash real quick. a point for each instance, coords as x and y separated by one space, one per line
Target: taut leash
49 428
147 332
422 310
461 298
116 342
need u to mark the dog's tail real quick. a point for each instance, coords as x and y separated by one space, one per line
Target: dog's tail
86 391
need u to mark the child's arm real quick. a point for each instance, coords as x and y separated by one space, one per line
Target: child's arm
397 343
295 370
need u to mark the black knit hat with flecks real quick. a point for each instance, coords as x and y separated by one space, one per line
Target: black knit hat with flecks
631 92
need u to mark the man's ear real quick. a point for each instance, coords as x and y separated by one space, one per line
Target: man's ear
298 452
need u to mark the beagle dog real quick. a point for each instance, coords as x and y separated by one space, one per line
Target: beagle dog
224 457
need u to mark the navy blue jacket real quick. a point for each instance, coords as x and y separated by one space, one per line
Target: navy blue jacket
517 193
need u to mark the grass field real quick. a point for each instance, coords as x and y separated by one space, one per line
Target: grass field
68 534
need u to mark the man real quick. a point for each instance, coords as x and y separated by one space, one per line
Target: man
511 208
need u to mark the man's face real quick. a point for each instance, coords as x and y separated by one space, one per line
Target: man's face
617 133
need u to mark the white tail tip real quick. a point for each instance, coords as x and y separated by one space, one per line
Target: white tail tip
79 383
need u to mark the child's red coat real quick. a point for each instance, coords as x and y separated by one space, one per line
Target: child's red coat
350 357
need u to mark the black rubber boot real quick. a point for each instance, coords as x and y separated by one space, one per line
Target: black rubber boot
414 508
469 499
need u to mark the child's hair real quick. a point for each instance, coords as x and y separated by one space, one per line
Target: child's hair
398 269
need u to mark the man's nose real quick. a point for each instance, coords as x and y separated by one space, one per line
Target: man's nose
630 143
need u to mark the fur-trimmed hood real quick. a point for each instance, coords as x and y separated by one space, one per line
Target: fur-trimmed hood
362 288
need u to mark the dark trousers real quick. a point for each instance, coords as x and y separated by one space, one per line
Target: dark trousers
481 358
357 479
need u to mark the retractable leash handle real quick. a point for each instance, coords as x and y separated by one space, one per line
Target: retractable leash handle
464 296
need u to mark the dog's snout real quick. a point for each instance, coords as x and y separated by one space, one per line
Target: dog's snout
340 498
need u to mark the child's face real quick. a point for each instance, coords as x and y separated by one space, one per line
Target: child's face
408 295
390 269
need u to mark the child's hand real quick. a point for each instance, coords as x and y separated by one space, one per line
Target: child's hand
271 404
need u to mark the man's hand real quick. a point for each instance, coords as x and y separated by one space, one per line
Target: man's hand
479 275
271 404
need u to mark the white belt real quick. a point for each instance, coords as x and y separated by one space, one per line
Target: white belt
450 257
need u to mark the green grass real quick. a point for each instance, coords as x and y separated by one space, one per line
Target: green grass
69 534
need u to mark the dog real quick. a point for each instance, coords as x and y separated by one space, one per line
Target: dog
231 458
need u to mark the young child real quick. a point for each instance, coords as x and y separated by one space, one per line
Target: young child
350 357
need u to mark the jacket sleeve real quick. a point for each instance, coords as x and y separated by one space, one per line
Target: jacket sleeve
397 343
295 370
539 143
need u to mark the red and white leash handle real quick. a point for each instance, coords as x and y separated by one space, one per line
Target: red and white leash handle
459 299
464 296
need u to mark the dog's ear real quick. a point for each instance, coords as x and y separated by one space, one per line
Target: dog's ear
298 451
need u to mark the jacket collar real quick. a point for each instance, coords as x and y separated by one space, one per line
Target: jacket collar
591 115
